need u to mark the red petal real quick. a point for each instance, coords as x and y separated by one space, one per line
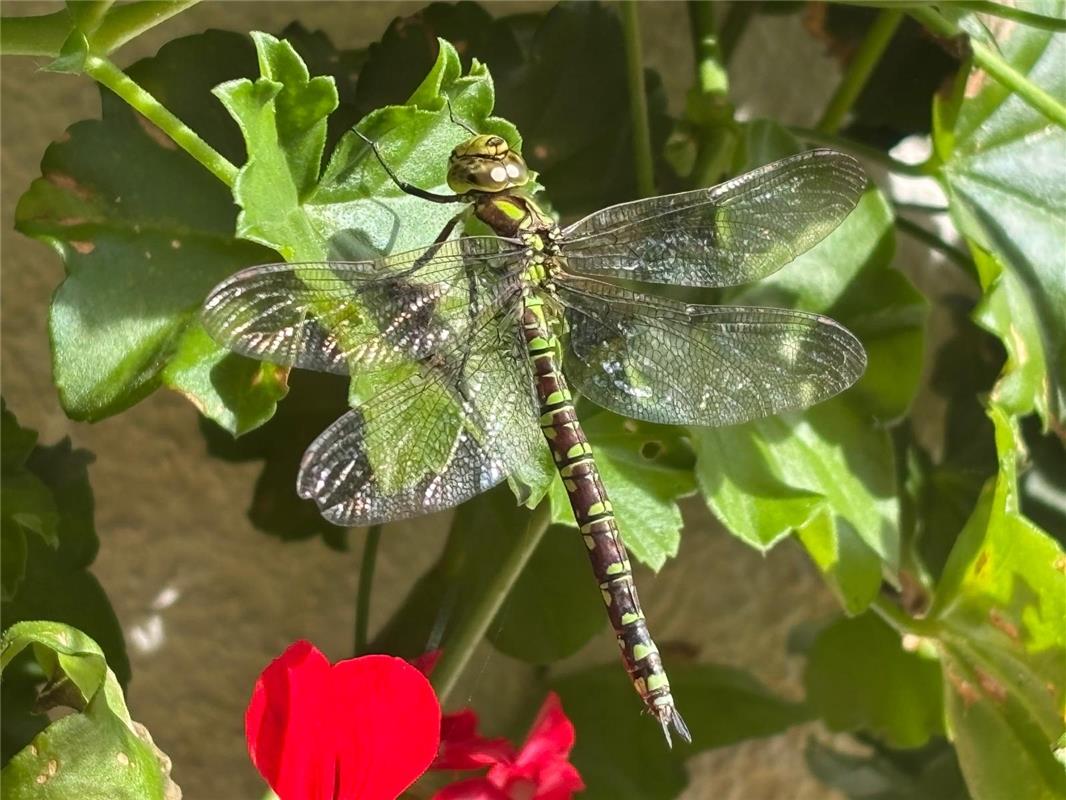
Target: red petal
551 736
388 726
462 748
287 725
427 661
543 760
365 728
471 789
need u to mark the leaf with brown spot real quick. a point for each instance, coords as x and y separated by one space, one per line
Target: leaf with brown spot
115 196
999 613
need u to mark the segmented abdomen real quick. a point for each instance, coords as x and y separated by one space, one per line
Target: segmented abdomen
595 519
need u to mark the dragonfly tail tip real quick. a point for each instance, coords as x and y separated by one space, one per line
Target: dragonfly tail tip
671 718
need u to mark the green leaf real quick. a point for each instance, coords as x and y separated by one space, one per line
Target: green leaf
1005 176
928 773
554 607
95 752
57 583
619 752
26 505
550 612
355 209
546 67
998 613
859 677
314 401
828 472
482 532
144 233
646 468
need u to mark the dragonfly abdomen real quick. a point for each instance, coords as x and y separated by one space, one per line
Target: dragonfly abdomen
595 519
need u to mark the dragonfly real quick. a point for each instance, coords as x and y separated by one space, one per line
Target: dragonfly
469 349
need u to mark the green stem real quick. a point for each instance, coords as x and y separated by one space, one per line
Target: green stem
35 36
126 22
1016 14
710 75
991 62
859 70
106 73
638 102
459 647
895 617
864 150
366 584
111 27
733 27
950 251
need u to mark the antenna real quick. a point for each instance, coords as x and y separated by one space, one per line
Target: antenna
456 120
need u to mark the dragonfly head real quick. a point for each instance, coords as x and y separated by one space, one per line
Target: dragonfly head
485 163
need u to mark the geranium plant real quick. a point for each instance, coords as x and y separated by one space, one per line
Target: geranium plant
929 498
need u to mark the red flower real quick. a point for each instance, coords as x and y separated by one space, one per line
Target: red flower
364 728
462 748
541 771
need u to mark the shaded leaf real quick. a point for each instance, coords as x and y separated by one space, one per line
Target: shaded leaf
927 773
57 584
722 706
859 677
1005 176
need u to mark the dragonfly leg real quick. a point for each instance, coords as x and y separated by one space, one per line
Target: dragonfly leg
404 186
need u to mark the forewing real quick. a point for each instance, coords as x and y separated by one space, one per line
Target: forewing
733 233
444 431
663 361
331 315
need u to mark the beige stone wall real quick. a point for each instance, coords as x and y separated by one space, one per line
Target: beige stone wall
172 520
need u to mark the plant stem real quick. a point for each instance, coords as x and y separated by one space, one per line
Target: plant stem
106 73
35 36
126 22
638 101
859 70
950 251
705 51
366 584
733 27
995 65
44 35
459 647
864 150
894 616
1017 14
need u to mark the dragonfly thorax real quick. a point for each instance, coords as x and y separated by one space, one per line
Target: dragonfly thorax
486 163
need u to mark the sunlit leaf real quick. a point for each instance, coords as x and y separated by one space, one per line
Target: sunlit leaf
144 232
96 752
999 611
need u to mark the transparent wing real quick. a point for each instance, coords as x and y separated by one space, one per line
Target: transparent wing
733 233
663 361
440 433
329 315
